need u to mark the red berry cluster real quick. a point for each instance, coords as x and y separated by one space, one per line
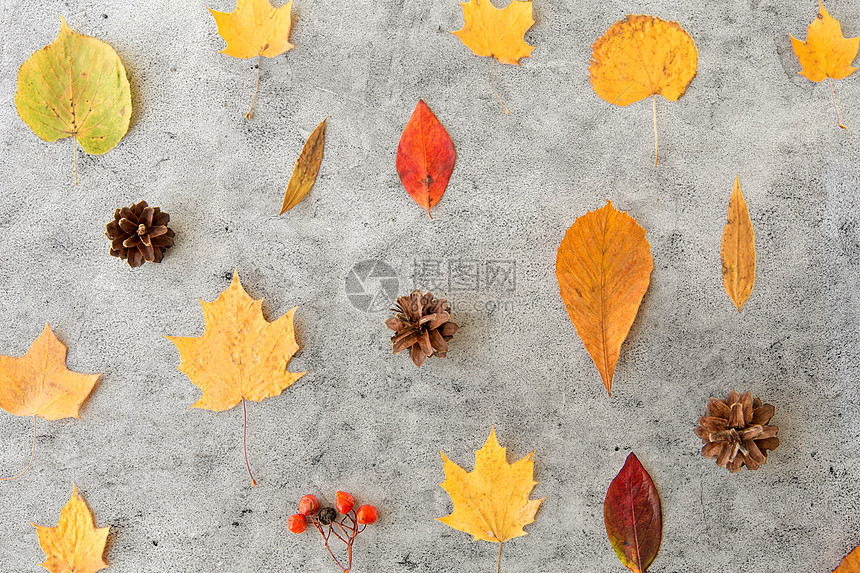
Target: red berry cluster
346 527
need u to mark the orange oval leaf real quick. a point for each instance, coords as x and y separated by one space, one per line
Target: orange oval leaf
425 157
604 268
738 250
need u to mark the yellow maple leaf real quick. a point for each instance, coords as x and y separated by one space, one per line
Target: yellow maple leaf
255 29
826 54
39 384
241 356
492 501
497 32
643 56
75 545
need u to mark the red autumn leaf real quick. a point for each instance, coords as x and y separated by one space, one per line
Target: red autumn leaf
633 517
425 157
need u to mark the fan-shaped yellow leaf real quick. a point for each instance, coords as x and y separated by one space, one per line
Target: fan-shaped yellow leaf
643 56
75 545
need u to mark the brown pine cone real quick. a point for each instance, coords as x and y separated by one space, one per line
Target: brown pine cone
139 233
735 433
421 325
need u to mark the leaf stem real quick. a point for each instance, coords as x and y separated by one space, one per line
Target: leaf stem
656 149
257 88
245 441
833 95
499 560
32 455
75 153
493 83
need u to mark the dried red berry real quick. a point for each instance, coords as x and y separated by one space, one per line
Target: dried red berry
308 505
327 515
297 523
367 514
344 502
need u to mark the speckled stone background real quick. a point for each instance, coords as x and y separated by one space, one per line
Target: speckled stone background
172 482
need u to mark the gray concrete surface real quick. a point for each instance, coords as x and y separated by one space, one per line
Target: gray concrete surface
172 482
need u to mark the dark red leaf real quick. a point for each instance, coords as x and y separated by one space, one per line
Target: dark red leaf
425 157
633 518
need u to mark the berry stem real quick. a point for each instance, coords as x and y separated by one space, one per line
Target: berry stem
32 455
245 441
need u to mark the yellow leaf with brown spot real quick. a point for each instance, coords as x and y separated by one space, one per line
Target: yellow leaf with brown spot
643 56
497 32
492 501
306 169
75 545
738 249
604 268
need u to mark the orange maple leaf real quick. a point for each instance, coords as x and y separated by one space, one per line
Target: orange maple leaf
643 56
75 545
255 29
241 356
497 32
39 384
826 52
604 267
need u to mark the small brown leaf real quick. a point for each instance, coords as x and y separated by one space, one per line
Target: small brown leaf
306 169
738 250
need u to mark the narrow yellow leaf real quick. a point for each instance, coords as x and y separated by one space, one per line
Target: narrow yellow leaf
738 250
306 169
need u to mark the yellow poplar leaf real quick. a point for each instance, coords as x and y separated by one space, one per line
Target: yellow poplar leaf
826 52
492 501
255 28
643 56
306 169
603 268
39 384
240 355
75 545
497 32
76 87
738 250
850 563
